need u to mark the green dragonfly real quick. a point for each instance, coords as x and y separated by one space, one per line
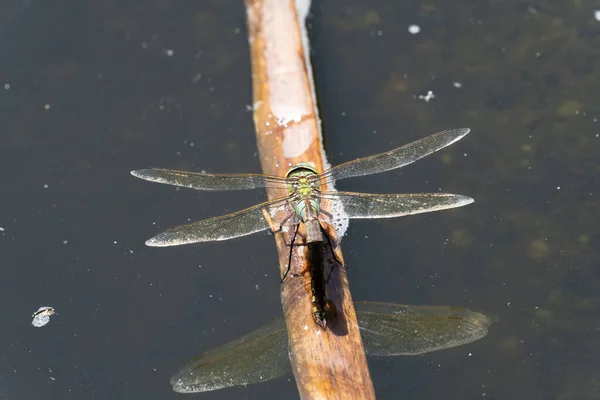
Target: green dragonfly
309 198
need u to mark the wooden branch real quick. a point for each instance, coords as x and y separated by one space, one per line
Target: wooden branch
330 363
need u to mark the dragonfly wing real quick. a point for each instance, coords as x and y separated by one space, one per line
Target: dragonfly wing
245 222
365 205
257 357
202 181
389 329
395 158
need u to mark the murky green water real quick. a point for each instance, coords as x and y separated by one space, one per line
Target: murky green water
93 90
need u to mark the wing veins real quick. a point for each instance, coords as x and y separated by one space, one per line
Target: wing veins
206 181
368 205
395 158
172 237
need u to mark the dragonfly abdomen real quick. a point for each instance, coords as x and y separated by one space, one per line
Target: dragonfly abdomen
317 283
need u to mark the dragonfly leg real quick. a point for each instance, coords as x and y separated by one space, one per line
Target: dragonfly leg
337 260
281 224
328 215
286 219
291 250
332 248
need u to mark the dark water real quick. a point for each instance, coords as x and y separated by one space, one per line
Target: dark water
99 88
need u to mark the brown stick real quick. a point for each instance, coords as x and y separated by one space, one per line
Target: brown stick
330 363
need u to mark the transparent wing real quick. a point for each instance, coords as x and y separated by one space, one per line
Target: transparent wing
257 357
389 329
245 222
395 158
202 181
365 205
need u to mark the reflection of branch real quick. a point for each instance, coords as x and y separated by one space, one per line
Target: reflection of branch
330 363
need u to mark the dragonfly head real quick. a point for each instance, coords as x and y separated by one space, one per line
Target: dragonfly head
301 169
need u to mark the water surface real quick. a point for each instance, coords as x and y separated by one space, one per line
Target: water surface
93 90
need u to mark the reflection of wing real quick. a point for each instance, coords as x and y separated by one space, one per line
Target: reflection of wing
387 329
364 205
202 181
395 158
260 356
241 223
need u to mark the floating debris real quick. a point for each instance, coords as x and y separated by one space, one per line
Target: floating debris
427 97
42 316
414 29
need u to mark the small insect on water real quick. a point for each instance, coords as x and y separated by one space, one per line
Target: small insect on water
42 316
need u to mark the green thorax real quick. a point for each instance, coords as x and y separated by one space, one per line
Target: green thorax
303 188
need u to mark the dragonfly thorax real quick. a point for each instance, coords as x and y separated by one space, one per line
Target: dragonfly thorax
303 189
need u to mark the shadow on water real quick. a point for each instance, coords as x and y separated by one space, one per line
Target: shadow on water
386 329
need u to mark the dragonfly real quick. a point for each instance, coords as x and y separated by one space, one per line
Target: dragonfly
309 199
